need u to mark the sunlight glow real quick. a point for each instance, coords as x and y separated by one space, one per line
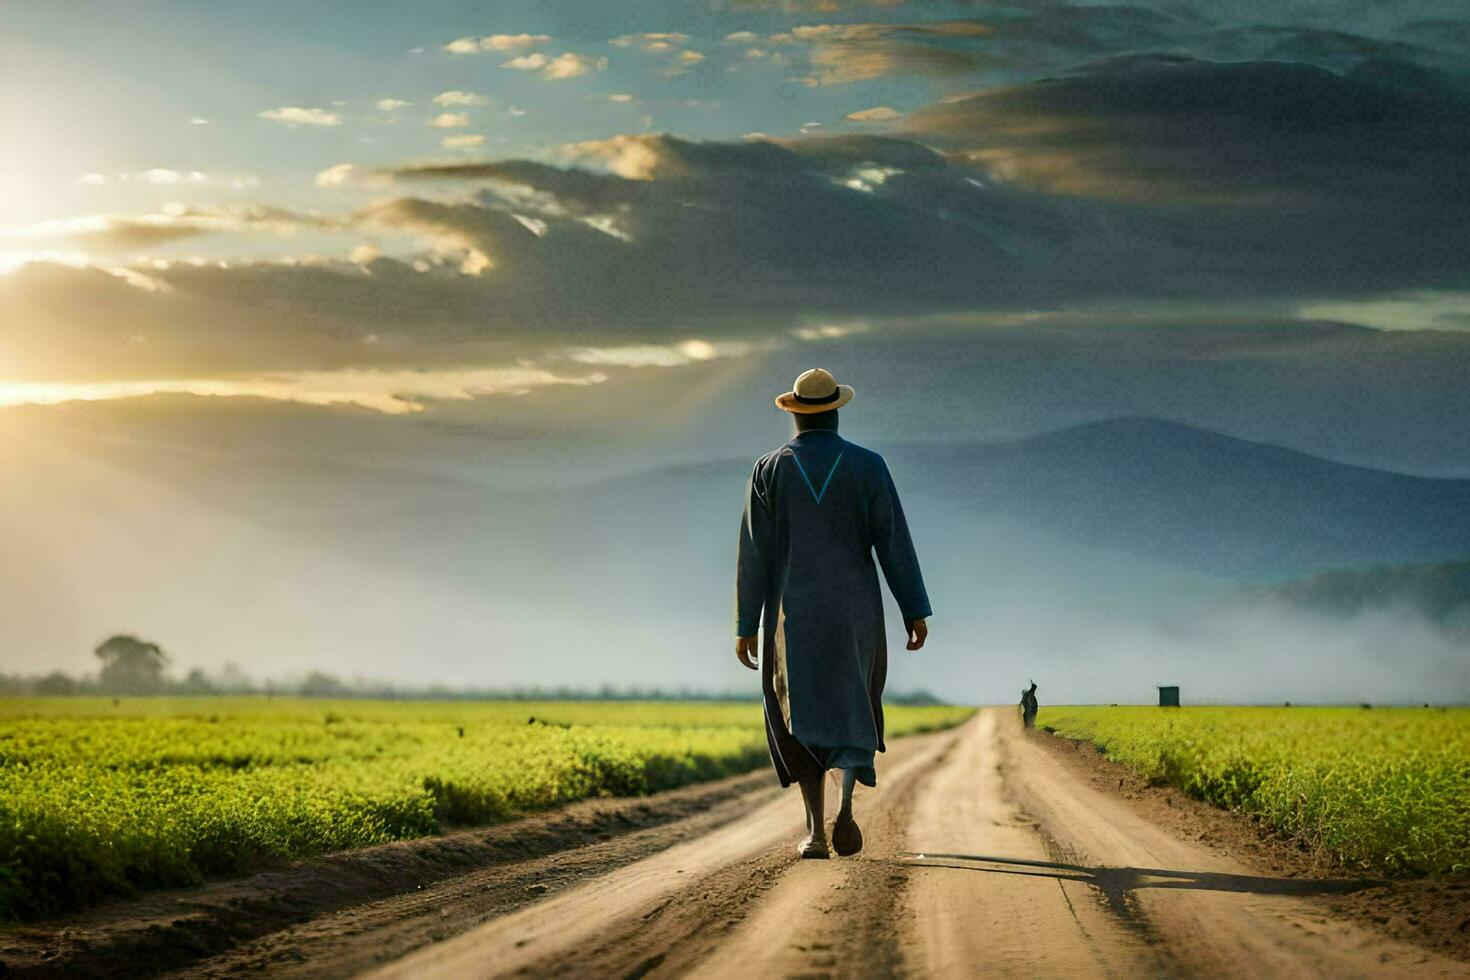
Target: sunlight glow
1416 310
390 392
683 353
12 259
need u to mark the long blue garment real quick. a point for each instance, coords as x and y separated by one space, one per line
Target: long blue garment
817 511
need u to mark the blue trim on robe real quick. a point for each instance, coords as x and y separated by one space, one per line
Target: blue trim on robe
816 494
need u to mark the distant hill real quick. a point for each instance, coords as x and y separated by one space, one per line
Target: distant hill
1163 491
1206 501
1440 591
1100 559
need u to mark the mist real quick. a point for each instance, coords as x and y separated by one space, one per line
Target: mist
288 562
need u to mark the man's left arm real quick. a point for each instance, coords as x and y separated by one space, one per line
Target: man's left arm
895 549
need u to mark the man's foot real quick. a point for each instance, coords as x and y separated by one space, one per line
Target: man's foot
813 847
847 837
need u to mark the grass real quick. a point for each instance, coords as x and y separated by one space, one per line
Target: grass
100 798
1385 790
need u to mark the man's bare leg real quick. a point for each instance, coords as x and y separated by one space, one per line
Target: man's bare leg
815 844
846 837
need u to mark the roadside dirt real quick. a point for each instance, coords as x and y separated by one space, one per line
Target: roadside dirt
331 915
1206 911
1433 914
990 850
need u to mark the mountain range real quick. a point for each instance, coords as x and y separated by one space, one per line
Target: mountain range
1109 553
1199 499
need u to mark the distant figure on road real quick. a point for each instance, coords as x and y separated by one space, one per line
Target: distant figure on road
816 512
1028 706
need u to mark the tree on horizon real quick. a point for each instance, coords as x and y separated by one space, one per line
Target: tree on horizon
130 665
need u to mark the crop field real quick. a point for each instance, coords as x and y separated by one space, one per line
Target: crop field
1385 790
100 798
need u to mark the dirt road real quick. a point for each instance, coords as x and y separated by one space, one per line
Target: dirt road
986 857
991 852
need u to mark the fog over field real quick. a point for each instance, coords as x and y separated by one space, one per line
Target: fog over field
529 540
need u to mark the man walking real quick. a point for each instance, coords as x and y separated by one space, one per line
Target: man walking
816 512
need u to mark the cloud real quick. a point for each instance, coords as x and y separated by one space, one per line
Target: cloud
527 62
391 105
682 63
679 354
1150 177
456 97
1420 310
879 113
133 232
496 42
741 37
509 42
165 176
391 392
1172 129
1038 38
461 142
565 65
569 65
650 40
113 233
449 120
1160 180
831 331
690 226
161 175
198 121
339 174
1208 367
59 323
621 98
819 33
908 227
637 157
812 6
298 116
479 239
842 53
667 43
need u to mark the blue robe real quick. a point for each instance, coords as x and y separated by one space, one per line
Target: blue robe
817 510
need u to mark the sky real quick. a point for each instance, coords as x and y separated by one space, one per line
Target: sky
217 192
546 243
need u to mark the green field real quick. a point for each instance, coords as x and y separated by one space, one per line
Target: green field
1385 790
100 798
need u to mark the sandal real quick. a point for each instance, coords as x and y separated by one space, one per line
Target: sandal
813 848
847 837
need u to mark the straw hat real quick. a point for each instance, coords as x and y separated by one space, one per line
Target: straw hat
815 391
